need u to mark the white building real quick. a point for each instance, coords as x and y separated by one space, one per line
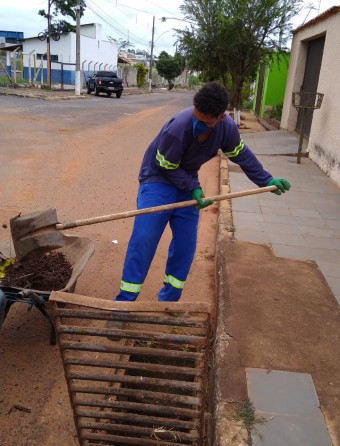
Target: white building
95 54
315 66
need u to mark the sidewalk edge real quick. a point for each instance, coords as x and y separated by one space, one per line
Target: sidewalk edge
226 429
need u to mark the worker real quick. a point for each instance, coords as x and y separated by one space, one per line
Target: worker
169 174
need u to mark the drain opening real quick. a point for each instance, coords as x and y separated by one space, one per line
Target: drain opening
182 428
146 389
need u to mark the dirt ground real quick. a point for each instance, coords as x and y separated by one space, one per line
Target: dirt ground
276 320
288 324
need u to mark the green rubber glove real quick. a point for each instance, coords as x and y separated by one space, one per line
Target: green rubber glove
281 183
198 195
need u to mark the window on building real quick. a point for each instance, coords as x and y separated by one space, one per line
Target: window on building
54 57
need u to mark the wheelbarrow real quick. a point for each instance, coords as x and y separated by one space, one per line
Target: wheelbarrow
77 251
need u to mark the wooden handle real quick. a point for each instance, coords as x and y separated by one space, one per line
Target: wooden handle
165 207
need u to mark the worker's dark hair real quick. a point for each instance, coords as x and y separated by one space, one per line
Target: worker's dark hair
211 99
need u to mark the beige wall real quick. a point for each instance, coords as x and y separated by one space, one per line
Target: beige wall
324 140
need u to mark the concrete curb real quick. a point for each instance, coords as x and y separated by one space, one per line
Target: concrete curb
226 429
36 94
58 95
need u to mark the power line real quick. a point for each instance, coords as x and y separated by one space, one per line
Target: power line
147 12
120 30
135 9
155 4
116 26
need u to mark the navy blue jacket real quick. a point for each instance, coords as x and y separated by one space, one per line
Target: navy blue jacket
176 155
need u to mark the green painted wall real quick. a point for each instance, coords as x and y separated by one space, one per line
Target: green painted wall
277 78
274 83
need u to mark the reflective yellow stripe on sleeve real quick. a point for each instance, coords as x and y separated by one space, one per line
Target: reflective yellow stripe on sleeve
131 287
164 163
236 151
174 282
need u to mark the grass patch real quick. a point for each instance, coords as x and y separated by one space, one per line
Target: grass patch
231 228
245 412
5 80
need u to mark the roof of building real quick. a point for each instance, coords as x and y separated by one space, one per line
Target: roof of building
123 59
320 18
10 46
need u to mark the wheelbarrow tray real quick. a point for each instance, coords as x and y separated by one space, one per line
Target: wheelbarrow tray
77 250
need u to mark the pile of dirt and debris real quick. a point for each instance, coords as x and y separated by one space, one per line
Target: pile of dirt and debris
40 271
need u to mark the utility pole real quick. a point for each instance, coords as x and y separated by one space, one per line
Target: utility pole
48 57
77 74
151 56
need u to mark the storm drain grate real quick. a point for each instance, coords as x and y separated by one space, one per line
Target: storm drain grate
141 382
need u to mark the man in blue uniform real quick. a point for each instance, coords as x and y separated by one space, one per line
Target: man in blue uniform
169 174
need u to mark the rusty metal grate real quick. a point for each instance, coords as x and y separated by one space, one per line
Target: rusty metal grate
144 385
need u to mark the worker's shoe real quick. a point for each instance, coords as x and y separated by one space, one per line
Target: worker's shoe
119 325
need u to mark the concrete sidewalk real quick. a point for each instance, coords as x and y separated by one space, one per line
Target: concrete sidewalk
267 346
302 224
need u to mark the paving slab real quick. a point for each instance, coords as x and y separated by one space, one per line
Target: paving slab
304 223
264 142
288 407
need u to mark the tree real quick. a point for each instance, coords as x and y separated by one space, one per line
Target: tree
170 67
227 40
141 73
56 8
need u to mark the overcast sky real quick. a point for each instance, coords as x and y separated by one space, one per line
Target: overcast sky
127 19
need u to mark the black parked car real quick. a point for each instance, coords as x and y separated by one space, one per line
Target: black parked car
105 82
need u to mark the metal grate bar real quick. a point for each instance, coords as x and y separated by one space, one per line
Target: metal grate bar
184 386
127 365
166 434
131 350
147 420
138 394
198 322
133 334
139 407
119 440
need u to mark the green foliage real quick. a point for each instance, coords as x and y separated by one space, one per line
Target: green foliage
245 412
247 104
57 8
194 82
5 264
170 67
276 112
141 73
227 40
5 81
247 92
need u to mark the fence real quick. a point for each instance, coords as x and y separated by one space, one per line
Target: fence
63 74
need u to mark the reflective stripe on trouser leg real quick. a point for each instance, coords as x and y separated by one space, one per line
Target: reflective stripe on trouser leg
182 248
146 233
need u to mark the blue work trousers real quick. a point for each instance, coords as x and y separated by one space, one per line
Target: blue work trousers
146 234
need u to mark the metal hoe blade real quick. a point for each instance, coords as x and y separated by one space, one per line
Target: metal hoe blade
35 231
